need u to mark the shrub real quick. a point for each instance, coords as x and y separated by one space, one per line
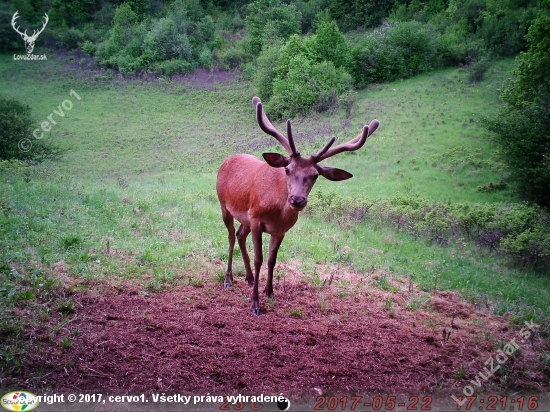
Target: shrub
418 45
308 86
294 47
165 42
16 124
69 38
520 232
205 57
207 28
456 49
294 94
89 48
124 43
264 75
285 17
234 56
328 44
171 67
478 69
403 50
347 101
375 61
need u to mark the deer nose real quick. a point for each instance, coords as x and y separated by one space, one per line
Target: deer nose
298 202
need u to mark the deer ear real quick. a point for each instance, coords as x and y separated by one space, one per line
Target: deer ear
275 159
333 174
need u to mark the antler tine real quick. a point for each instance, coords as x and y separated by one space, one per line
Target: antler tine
47 19
15 17
37 32
291 139
321 152
352 145
267 127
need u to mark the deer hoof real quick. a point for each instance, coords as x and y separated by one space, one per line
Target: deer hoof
256 311
227 285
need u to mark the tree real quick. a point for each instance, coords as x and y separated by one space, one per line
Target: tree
329 44
523 124
286 19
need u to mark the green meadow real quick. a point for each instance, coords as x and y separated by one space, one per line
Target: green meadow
133 197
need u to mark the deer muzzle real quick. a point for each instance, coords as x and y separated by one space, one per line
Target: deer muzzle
297 202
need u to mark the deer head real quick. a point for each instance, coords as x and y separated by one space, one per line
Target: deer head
29 40
302 172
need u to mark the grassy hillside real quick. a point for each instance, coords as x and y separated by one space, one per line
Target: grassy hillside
134 195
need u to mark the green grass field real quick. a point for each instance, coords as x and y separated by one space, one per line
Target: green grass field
159 144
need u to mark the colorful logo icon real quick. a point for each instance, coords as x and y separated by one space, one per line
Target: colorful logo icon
19 401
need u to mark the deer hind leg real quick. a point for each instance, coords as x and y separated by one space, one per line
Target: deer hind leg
258 260
242 234
228 220
274 244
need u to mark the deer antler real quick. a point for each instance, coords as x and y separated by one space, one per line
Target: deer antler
268 128
15 17
35 33
24 34
353 144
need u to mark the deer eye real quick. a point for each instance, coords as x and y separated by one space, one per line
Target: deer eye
286 170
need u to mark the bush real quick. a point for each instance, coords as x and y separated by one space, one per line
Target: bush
16 128
286 18
124 43
403 50
456 49
478 69
521 232
418 45
16 123
307 86
207 28
329 44
70 39
89 48
294 94
171 67
205 57
165 42
347 101
264 75
234 56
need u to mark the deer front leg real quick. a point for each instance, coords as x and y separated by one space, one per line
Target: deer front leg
274 244
258 260
242 234
228 220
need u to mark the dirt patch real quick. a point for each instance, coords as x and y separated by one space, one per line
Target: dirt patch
198 79
340 335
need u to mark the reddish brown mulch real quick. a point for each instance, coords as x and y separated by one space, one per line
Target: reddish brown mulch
341 338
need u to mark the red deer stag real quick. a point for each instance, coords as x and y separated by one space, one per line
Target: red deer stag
267 197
